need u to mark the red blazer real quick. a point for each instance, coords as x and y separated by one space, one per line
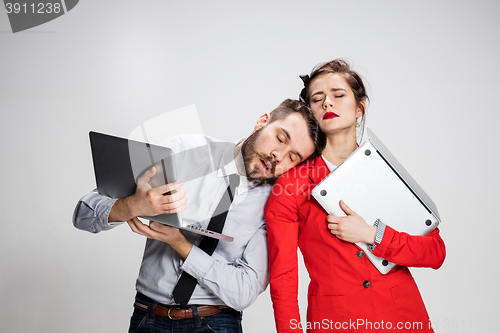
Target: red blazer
346 292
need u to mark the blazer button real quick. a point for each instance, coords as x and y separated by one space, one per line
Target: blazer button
360 254
366 284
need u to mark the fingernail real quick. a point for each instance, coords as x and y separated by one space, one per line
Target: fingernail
152 224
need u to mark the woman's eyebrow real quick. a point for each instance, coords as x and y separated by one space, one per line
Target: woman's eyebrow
320 92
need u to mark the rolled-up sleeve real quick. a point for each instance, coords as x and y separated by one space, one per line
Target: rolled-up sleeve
236 283
92 212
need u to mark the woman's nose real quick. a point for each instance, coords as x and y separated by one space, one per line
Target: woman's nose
328 102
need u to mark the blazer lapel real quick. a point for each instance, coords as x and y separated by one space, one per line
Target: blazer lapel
317 170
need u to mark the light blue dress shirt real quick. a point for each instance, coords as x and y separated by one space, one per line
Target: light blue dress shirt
236 273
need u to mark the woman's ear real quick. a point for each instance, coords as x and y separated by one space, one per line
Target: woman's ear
262 121
361 109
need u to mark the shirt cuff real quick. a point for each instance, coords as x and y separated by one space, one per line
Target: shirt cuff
197 263
102 211
379 235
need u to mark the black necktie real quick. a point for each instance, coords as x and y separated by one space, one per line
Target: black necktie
186 284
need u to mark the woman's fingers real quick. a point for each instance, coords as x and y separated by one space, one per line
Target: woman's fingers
347 210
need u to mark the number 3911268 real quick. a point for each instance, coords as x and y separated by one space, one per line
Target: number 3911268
39 8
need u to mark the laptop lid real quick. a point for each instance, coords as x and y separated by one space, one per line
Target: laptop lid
119 162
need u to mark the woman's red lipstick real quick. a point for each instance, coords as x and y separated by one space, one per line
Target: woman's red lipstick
330 115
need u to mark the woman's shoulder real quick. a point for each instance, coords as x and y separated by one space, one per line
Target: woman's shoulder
302 171
294 186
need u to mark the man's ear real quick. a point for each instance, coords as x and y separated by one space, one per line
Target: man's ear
262 121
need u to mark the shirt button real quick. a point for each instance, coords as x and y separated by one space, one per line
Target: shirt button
366 284
360 254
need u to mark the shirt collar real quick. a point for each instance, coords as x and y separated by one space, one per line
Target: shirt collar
230 169
329 164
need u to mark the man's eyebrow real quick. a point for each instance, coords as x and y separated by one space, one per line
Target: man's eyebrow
288 137
286 133
299 155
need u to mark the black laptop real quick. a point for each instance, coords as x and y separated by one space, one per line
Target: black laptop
119 162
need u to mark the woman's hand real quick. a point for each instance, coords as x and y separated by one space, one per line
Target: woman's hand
351 228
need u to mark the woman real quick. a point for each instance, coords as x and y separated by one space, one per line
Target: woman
346 292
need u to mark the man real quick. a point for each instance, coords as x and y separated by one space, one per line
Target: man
229 277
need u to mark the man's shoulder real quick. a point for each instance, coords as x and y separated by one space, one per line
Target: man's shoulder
197 155
185 142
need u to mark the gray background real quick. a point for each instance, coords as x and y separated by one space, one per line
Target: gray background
432 69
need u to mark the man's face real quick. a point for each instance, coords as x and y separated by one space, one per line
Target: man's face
276 148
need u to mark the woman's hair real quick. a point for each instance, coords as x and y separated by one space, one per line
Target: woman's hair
352 78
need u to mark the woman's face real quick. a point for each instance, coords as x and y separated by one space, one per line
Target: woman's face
333 103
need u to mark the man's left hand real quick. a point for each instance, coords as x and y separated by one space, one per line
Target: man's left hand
170 235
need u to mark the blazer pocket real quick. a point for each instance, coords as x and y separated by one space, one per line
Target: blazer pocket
326 313
410 307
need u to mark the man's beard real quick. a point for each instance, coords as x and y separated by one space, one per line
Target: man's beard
249 154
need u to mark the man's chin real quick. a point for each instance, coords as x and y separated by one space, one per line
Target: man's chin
257 178
262 181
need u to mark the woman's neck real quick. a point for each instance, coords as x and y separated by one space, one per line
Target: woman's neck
339 146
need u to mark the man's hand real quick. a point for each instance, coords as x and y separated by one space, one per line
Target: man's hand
148 201
351 228
170 235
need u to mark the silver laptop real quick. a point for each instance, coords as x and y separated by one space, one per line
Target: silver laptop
376 186
119 162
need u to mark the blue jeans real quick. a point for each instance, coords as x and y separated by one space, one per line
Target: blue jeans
226 321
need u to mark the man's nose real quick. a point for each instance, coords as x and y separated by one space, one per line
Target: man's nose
277 154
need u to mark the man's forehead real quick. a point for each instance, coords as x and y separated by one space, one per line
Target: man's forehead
292 120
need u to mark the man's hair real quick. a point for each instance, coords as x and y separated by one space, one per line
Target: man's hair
290 106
